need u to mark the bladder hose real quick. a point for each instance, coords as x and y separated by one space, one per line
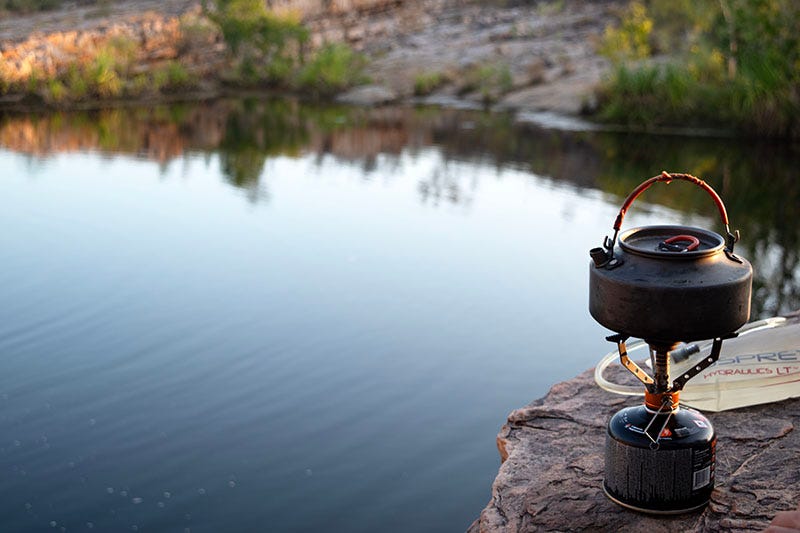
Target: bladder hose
734 371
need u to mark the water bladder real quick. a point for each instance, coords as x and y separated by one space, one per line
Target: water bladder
761 365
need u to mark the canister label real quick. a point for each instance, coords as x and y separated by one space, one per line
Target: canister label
703 466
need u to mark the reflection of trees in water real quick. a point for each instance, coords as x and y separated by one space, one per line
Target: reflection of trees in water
444 184
757 183
370 139
768 197
497 139
243 168
253 132
755 180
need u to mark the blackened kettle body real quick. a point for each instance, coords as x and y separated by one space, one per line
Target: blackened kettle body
670 283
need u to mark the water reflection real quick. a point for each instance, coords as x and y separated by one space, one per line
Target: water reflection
757 180
305 307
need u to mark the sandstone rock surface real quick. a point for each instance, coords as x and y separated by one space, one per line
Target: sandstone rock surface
552 470
519 56
524 56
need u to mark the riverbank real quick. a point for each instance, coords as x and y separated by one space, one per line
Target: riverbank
448 52
713 64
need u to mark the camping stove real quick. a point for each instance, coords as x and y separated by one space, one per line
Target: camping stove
659 456
667 285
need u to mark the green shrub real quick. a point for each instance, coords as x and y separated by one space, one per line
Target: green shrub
427 82
631 39
34 81
177 76
139 85
489 80
196 32
103 78
733 64
122 51
265 46
76 82
55 92
332 68
278 71
159 79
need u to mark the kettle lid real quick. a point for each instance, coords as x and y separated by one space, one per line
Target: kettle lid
671 242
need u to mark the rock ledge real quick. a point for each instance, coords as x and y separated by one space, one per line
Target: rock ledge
552 452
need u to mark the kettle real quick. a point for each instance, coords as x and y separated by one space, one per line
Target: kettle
670 283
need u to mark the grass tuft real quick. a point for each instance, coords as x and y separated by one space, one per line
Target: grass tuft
489 80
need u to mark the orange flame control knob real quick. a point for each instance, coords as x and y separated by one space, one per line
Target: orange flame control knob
665 401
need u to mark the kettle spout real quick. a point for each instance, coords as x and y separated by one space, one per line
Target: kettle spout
600 256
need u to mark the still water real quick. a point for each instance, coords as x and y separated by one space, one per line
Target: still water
265 316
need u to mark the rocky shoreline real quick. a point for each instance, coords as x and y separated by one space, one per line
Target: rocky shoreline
526 57
549 53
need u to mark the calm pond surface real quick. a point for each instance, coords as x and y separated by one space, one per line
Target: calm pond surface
265 316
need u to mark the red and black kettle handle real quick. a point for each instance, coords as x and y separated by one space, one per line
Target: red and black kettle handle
667 177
